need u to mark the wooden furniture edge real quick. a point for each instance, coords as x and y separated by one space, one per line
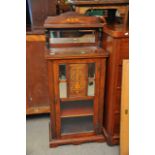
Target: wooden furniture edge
124 121
38 110
33 37
116 33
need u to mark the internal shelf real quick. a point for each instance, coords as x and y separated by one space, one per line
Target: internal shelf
77 98
76 125
77 109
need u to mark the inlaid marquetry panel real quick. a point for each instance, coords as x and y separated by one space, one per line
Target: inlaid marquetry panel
78 77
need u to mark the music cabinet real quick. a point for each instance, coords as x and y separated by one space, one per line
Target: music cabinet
76 75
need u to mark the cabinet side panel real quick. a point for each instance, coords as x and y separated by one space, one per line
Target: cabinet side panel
36 75
112 47
118 49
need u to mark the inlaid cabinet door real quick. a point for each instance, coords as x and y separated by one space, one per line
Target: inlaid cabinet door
76 95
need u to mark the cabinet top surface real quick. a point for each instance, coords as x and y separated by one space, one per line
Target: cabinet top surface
73 20
75 52
116 30
95 2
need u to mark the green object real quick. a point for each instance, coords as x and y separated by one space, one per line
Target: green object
95 12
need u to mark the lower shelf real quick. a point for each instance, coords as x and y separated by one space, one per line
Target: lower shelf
77 108
77 125
75 138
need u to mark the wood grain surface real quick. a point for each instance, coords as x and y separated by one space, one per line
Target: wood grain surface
124 124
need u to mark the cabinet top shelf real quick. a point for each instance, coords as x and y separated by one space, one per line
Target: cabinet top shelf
73 20
117 30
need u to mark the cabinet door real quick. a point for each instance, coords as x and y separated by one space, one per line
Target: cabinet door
76 93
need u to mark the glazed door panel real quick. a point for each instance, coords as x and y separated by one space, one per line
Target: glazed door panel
76 93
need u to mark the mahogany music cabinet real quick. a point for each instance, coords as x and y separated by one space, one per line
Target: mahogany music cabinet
76 73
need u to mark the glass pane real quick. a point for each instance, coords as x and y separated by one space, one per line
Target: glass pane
91 87
76 125
62 81
91 70
63 89
62 72
91 79
72 36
